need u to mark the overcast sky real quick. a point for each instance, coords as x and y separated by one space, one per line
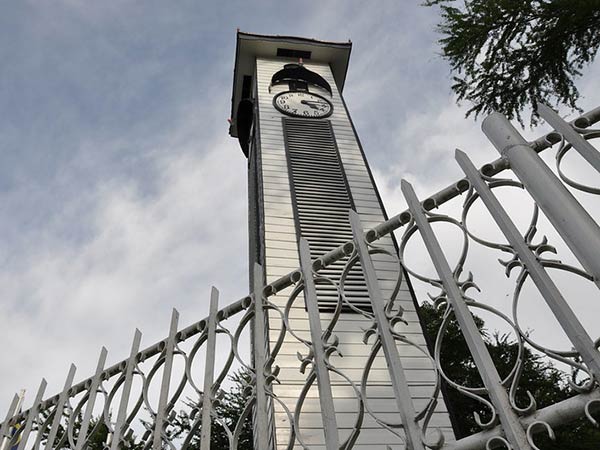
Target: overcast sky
121 193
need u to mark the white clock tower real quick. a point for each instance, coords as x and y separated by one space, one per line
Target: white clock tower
306 170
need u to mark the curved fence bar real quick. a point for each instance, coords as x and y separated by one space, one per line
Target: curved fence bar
215 383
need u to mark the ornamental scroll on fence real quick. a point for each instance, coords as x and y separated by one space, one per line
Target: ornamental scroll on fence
174 393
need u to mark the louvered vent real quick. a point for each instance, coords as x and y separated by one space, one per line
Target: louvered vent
321 200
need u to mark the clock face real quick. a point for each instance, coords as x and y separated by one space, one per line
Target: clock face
303 104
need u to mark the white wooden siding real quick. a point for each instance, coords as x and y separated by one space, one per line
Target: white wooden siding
282 257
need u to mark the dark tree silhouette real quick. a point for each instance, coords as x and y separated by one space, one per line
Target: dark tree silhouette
98 434
547 384
229 408
509 54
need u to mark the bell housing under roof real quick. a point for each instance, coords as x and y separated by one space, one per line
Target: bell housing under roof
294 71
250 46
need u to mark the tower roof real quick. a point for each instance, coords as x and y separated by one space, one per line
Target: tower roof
249 46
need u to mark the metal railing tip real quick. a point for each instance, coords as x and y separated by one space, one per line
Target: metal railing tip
458 153
404 184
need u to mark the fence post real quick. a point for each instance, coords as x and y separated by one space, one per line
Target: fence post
89 408
209 370
5 429
388 343
261 427
33 413
487 370
166 380
557 303
122 414
320 359
580 232
60 405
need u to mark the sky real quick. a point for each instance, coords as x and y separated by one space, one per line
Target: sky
122 195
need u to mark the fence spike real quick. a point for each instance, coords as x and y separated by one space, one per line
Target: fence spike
166 381
209 369
485 365
320 359
115 439
388 343
5 429
89 407
574 224
60 405
567 319
32 416
261 414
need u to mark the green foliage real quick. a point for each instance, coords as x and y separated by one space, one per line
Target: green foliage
98 434
510 54
98 438
546 383
230 408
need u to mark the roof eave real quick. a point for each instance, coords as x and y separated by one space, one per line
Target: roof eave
341 50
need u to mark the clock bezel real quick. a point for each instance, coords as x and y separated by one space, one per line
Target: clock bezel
291 114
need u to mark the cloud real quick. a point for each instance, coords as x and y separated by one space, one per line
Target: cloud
143 254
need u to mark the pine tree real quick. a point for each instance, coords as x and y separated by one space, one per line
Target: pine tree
509 54
546 383
229 409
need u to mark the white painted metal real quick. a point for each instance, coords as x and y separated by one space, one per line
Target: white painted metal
58 410
262 431
94 383
32 416
319 355
121 425
584 148
397 374
209 370
5 428
485 365
159 422
567 319
578 229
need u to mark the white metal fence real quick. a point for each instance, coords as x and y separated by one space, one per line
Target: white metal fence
171 393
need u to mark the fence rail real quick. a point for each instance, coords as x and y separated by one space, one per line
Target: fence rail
153 399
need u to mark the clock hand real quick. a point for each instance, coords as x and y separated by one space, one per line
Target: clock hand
312 104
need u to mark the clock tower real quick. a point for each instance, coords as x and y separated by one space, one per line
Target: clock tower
306 170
